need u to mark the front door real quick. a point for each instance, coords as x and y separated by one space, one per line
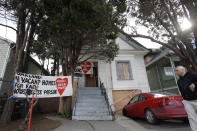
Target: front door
92 79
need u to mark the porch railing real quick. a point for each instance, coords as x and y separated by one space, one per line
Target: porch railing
104 93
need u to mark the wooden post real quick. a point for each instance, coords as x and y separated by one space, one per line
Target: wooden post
61 105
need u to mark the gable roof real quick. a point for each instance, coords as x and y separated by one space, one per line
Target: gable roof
133 43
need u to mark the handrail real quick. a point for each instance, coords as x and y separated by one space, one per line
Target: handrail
103 92
74 108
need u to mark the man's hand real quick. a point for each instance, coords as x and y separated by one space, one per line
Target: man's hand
192 87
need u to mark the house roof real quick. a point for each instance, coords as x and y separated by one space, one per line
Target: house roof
6 40
133 43
160 55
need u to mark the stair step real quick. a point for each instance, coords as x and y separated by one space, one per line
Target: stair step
83 108
92 104
89 93
92 117
89 88
90 96
82 113
93 111
91 100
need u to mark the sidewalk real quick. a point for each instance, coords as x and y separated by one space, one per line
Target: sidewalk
120 124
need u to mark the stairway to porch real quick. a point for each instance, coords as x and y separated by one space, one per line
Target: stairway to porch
91 105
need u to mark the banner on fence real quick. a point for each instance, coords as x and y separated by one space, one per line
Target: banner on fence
44 86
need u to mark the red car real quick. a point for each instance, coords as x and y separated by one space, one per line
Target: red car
155 106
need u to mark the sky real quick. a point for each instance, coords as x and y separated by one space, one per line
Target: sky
7 32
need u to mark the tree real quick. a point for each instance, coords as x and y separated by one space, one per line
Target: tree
26 14
80 27
162 19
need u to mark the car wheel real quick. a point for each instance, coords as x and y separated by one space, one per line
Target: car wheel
124 112
150 117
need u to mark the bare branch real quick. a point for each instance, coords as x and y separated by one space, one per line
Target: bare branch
8 27
156 41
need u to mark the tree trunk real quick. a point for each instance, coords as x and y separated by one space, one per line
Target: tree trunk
20 46
65 103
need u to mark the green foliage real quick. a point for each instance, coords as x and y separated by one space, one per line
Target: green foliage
111 51
66 114
71 25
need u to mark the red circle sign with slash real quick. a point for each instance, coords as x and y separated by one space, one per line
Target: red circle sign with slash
61 85
86 66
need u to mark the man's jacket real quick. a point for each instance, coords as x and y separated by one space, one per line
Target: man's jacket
184 83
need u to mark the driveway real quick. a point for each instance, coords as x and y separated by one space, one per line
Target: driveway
121 124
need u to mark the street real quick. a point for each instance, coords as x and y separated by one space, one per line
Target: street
122 124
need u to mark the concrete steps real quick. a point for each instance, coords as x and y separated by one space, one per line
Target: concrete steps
91 105
92 118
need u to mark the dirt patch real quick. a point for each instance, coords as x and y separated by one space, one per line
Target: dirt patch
39 123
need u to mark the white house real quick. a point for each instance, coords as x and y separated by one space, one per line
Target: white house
122 78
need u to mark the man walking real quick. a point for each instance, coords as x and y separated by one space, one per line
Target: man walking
187 84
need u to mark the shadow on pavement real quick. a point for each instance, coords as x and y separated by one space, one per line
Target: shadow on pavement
164 125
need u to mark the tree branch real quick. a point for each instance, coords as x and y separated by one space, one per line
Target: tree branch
8 27
154 40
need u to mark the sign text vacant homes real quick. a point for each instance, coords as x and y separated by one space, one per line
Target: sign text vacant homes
45 86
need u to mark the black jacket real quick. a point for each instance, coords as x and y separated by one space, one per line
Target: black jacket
184 83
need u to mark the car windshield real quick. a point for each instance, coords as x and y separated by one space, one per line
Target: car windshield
157 95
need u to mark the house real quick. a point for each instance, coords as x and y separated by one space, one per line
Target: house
121 78
7 68
160 70
7 65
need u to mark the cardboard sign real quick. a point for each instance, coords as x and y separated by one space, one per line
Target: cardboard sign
47 86
85 68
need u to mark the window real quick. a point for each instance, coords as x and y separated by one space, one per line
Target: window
168 71
123 70
134 100
163 94
142 98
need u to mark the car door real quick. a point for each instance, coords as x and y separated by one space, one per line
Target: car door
130 108
140 106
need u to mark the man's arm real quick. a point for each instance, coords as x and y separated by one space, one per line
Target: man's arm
180 87
194 75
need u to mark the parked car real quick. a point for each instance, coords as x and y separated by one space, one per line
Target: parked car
156 106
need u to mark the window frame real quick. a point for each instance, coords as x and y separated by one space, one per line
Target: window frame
130 69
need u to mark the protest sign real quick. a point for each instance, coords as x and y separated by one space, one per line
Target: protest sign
45 86
85 68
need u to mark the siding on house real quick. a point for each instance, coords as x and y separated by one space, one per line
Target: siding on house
139 75
33 69
8 76
4 54
122 46
5 59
